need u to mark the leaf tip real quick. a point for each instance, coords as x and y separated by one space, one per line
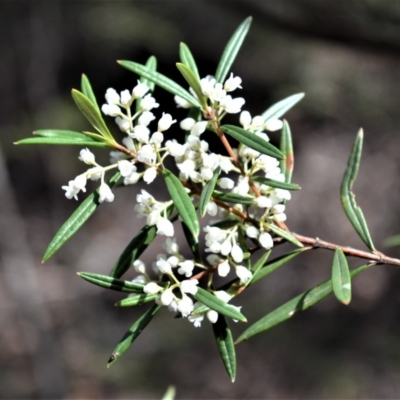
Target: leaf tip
360 132
83 75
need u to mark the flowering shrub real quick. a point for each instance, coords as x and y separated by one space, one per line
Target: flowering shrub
245 190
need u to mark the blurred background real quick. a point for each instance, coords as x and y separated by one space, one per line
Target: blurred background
57 331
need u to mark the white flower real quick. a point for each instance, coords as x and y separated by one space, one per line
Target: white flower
112 96
232 106
132 178
87 157
225 164
128 142
166 297
116 155
110 109
263 202
173 307
94 173
198 128
148 103
139 90
212 316
105 193
222 295
123 124
196 319
139 266
147 154
273 125
243 274
224 268
174 148
141 279
225 183
187 124
182 103
245 119
218 93
185 306
226 247
165 227
212 209
232 83
80 182
170 246
140 133
266 241
252 232
237 253
165 122
186 268
71 191
207 85
152 288
150 174
126 167
157 138
126 97
189 286
146 118
163 266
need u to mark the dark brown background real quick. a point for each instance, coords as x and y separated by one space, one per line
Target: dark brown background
57 331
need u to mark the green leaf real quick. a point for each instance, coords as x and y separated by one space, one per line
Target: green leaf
77 219
138 299
63 141
130 336
233 198
92 114
182 202
226 223
170 393
276 184
109 282
231 50
284 234
167 84
341 279
60 133
252 140
211 301
275 264
87 90
193 82
281 107
392 241
226 347
186 58
294 306
151 64
207 192
353 212
259 264
192 241
286 147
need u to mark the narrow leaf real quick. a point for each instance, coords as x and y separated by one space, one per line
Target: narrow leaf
87 90
211 301
226 347
59 133
252 140
109 282
192 241
275 264
151 64
259 264
193 82
294 306
207 192
392 241
276 184
186 58
182 202
169 394
91 113
77 219
353 212
341 279
160 80
233 198
138 299
231 50
63 141
284 234
130 336
281 107
286 147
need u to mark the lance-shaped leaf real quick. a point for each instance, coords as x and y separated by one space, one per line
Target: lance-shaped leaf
226 347
259 264
63 141
281 107
353 212
130 336
284 234
192 241
226 223
151 64
275 264
207 192
160 80
233 198
276 184
87 90
92 114
109 282
182 202
59 133
193 82
231 50
341 279
286 147
138 299
213 302
252 140
76 220
169 394
294 306
187 58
